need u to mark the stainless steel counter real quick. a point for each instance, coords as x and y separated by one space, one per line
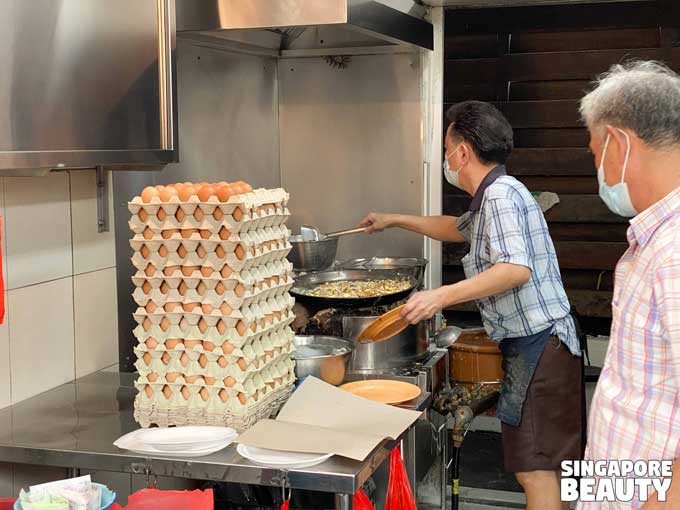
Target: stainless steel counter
74 426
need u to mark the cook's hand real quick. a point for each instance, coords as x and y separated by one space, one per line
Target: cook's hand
376 222
423 305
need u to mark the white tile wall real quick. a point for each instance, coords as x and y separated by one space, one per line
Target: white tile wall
41 337
96 321
38 229
92 250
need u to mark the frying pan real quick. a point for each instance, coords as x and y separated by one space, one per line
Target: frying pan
311 281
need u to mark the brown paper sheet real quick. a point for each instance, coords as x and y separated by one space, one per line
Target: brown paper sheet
320 418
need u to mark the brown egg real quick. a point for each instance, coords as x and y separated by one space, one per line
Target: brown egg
224 395
165 288
188 270
189 307
167 193
226 271
278 380
202 326
147 359
239 290
240 252
182 288
165 358
206 308
150 307
222 362
172 376
152 377
183 324
145 251
271 385
186 193
224 233
242 364
148 194
171 343
256 396
269 354
184 359
205 395
206 271
218 214
219 288
219 251
150 270
253 327
151 343
182 251
146 324
242 398
237 214
148 233
241 328
167 391
146 287
208 346
229 382
161 215
245 187
200 251
169 270
226 309
142 215
191 379
198 214
224 193
221 327
179 215
167 234
190 344
201 289
188 232
227 348
165 323
203 360
172 307
209 380
163 251
148 391
185 392
277 316
256 363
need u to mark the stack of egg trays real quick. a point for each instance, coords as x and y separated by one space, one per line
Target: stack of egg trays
214 310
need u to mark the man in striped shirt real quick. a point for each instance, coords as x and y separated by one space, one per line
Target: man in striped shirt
634 120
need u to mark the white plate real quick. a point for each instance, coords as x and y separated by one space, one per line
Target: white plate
131 442
186 438
277 459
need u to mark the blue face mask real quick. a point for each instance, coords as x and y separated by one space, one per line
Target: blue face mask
616 197
452 176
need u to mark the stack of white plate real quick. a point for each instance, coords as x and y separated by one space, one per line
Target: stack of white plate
192 441
280 459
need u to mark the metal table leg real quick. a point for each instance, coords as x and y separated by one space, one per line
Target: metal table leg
344 502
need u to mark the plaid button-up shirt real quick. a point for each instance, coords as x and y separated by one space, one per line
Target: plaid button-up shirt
506 224
635 413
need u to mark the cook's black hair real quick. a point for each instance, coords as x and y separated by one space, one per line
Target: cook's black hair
484 127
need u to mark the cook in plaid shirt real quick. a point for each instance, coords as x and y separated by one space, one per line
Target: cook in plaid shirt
634 120
513 275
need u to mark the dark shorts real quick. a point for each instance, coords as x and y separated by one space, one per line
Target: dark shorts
552 428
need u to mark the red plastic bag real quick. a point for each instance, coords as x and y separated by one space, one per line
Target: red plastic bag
361 501
153 499
399 493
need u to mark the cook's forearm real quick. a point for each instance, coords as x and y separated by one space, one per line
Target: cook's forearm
495 280
441 228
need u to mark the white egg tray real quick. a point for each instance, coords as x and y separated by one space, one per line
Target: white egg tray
209 239
149 413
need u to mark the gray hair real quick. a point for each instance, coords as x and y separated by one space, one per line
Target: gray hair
641 96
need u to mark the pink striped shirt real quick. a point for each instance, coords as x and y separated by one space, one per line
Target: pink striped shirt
635 413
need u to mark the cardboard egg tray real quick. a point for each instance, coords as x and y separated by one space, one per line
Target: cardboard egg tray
250 211
150 412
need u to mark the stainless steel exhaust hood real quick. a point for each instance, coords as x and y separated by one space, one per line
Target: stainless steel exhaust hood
386 22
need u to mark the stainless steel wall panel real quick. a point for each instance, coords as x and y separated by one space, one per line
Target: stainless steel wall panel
351 142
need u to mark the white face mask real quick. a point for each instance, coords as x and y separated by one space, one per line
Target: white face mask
616 197
452 176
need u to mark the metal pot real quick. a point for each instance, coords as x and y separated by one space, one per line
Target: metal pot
324 357
401 350
312 255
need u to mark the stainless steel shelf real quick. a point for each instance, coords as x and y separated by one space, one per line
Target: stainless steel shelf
74 426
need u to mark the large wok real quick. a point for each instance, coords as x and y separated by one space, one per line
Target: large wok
311 281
